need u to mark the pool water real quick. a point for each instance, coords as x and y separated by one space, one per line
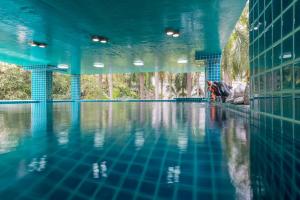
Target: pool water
150 150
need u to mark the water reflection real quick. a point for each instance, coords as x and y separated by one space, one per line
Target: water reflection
191 144
173 174
99 170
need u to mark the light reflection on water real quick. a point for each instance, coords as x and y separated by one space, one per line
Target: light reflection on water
178 141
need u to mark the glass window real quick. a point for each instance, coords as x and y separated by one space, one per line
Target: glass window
277 30
277 55
287 49
297 75
287 77
277 80
287 22
297 44
276 105
287 108
269 59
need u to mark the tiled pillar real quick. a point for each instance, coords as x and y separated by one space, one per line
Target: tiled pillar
75 87
41 118
213 66
41 84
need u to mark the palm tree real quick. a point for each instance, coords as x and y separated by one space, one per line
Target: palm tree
235 58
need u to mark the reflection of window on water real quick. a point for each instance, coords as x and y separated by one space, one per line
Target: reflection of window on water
173 174
100 170
139 139
37 165
182 141
99 139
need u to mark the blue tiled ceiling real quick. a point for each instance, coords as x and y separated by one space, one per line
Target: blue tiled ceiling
135 29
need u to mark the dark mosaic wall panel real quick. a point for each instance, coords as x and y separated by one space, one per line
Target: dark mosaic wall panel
275 57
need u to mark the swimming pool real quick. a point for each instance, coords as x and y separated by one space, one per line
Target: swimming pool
144 150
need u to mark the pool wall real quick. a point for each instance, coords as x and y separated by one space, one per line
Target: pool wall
275 58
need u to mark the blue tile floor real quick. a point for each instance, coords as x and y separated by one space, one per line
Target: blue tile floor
141 150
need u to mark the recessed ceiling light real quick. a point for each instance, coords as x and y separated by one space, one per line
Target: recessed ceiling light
42 45
98 65
169 31
176 34
37 44
100 39
138 63
182 61
287 55
63 66
33 44
95 39
103 40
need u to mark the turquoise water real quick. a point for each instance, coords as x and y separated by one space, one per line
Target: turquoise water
159 150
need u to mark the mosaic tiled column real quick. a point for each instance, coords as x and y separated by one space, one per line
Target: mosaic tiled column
212 68
41 84
75 87
41 118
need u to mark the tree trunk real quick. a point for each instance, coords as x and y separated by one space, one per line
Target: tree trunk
110 86
189 85
142 85
156 77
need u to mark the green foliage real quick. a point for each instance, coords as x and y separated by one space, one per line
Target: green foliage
91 88
14 83
61 86
235 57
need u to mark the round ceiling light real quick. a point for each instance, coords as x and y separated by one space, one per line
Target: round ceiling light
100 39
37 44
41 45
138 63
63 66
176 34
169 31
98 65
182 61
95 39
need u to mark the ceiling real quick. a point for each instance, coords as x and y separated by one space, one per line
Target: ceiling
135 29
